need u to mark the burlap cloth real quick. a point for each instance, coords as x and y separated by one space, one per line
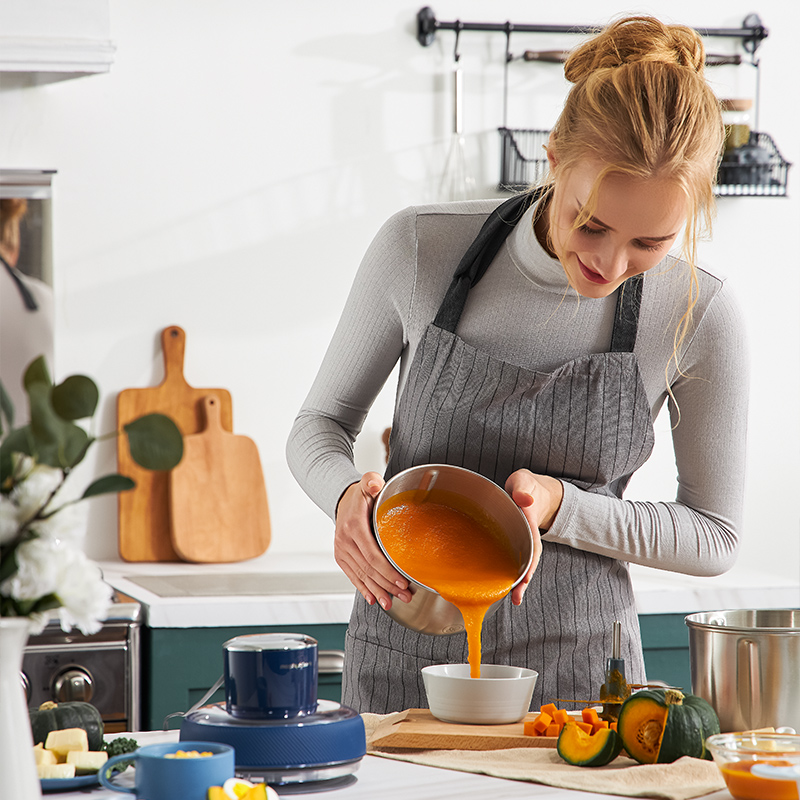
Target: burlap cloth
682 780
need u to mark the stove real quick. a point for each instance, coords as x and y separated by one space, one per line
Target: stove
102 669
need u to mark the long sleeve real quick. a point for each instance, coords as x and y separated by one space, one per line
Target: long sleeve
698 533
366 345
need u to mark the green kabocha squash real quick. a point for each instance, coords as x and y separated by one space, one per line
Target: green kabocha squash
659 726
582 749
59 716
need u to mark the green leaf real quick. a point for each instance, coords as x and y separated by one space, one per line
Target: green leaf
56 442
75 398
18 441
109 484
6 408
8 564
37 372
46 603
155 442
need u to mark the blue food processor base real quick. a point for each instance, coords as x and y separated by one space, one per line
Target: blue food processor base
320 748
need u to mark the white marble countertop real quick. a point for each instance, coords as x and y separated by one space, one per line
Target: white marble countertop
398 780
309 588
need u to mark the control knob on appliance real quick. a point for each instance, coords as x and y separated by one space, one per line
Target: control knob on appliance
73 683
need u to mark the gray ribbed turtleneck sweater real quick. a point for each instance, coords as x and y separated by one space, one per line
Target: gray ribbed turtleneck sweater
524 312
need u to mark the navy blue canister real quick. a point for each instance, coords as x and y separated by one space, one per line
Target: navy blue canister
270 675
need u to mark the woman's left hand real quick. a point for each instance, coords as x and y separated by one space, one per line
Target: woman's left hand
539 497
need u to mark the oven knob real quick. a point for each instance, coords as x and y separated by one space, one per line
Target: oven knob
26 686
72 684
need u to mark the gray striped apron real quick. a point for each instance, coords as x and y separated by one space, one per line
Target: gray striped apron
588 423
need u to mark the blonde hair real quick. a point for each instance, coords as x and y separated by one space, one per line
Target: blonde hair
641 106
12 210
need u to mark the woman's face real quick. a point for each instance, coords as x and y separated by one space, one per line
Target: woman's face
635 223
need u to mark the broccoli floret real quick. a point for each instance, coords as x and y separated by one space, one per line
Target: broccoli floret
118 746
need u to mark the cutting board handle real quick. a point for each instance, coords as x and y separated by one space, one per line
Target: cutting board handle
213 411
173 343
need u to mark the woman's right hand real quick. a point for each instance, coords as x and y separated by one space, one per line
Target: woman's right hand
356 550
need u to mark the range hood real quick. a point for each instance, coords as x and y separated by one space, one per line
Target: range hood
42 41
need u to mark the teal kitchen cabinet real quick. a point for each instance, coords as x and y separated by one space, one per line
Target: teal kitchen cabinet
665 641
181 664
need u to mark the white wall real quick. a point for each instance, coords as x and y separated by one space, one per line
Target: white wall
230 170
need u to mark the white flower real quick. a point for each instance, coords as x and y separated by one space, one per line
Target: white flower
8 520
38 482
83 592
53 566
68 524
37 571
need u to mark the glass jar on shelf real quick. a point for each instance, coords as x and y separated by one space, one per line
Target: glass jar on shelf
736 118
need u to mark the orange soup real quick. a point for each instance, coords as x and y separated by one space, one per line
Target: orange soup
743 785
448 543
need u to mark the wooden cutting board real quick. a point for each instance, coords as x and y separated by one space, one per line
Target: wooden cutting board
218 500
418 729
144 511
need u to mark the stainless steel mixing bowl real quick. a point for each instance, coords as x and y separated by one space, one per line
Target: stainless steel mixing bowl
428 612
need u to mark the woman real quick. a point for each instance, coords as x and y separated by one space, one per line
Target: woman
537 341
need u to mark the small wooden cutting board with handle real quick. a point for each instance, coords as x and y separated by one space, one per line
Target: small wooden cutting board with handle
418 729
144 511
218 499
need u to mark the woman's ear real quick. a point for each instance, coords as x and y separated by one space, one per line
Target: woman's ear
550 149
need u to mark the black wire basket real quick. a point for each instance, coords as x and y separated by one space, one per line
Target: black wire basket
522 158
754 169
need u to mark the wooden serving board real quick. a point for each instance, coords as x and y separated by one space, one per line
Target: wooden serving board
218 500
418 729
144 511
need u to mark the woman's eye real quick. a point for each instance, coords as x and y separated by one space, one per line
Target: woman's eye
593 231
650 248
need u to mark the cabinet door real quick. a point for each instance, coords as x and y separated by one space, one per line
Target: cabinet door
179 665
665 641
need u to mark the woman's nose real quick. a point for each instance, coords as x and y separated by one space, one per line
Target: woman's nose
612 262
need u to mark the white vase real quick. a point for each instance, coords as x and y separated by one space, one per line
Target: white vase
18 778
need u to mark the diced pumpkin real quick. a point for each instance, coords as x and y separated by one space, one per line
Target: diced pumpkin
50 771
612 725
87 763
217 793
582 749
584 726
561 717
659 726
599 725
65 741
589 715
548 708
42 756
553 730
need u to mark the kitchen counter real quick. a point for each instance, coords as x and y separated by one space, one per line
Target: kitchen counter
385 779
309 588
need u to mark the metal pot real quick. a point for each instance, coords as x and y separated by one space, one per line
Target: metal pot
746 663
428 612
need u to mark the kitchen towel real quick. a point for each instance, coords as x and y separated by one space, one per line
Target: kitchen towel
682 780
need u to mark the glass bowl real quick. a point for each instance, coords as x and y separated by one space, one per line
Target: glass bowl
736 754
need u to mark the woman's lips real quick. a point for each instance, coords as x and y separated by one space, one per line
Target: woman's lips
591 275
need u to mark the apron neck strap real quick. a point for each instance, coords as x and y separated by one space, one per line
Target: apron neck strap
626 318
480 255
485 247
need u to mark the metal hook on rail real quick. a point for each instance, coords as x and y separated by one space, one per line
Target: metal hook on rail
458 28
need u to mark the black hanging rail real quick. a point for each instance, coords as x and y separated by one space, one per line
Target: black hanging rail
752 32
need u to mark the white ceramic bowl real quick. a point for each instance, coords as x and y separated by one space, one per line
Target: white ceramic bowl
501 695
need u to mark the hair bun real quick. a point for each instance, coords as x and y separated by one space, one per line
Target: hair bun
637 39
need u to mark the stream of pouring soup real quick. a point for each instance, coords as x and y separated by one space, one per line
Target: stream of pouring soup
450 544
